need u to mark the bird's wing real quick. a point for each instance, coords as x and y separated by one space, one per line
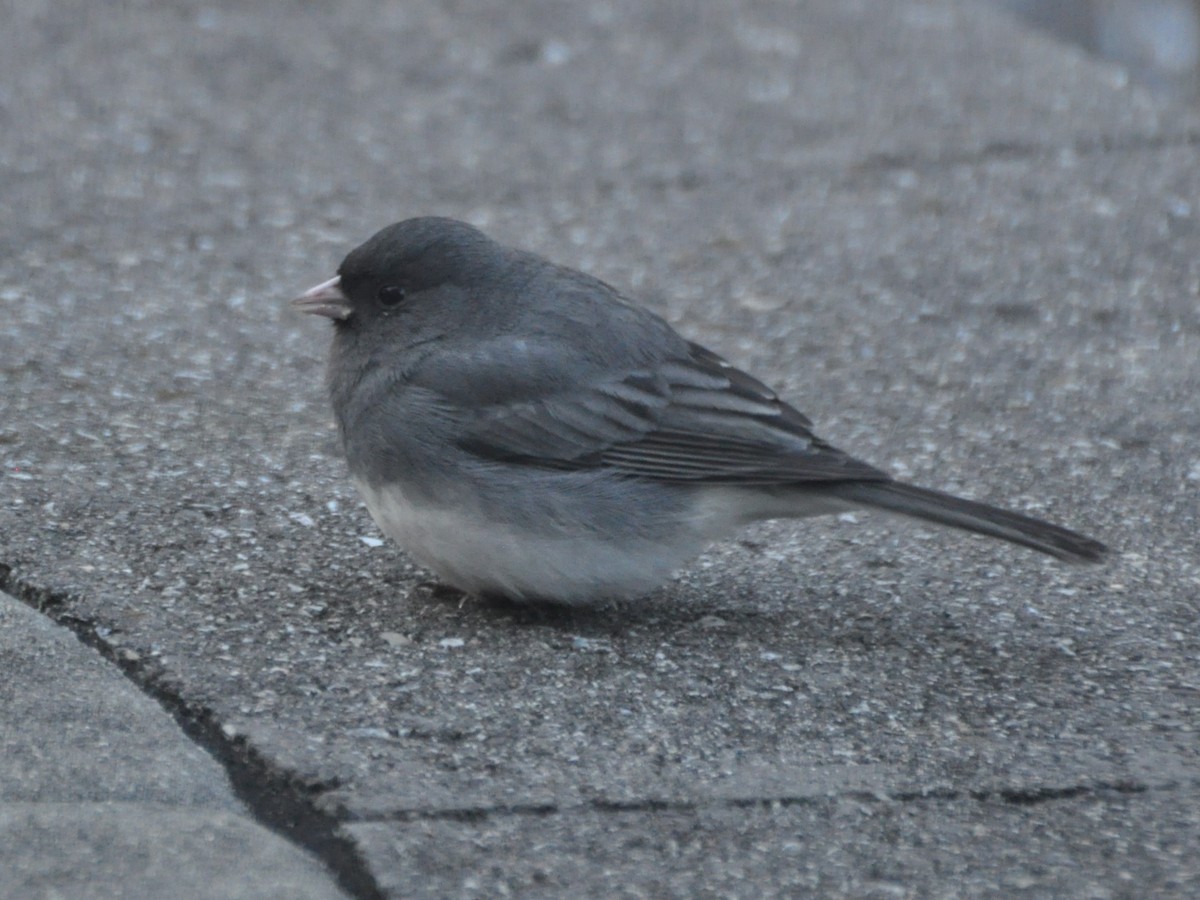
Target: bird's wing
691 417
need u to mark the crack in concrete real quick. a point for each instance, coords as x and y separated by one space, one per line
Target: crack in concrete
1016 797
277 799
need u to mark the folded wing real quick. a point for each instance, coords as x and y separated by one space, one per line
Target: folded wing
690 418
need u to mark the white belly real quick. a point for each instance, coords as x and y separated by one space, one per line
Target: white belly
485 557
581 544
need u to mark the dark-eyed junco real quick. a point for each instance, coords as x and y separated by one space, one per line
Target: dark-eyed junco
526 430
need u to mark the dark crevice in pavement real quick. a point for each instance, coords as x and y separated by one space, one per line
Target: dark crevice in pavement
1015 796
41 599
1034 796
468 815
999 151
277 799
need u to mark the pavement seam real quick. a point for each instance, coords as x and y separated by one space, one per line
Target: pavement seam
1014 797
275 798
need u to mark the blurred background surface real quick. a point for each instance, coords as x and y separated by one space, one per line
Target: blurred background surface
1158 41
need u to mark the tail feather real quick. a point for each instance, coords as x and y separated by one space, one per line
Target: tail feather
946 509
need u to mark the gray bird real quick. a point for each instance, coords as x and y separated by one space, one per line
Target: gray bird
527 431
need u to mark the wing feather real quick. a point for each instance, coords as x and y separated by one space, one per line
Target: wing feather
694 418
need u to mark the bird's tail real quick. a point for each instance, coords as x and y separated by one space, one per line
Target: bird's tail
946 509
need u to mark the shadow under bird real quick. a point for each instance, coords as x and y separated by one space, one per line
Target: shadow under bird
527 431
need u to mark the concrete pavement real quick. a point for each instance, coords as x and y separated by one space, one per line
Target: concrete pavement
103 795
969 253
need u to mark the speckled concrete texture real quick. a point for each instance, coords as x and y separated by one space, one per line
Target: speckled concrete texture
969 253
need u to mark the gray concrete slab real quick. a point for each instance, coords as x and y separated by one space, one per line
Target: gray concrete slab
1134 845
74 729
121 850
968 252
102 795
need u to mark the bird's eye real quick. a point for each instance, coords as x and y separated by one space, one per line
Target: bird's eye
390 295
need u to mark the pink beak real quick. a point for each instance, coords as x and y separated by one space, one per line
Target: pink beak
326 299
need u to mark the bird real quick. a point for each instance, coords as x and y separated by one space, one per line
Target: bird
528 432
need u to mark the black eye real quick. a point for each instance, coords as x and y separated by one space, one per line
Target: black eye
390 295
